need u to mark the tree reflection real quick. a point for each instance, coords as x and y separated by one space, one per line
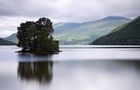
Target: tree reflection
39 71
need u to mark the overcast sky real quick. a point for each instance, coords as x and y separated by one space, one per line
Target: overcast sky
13 12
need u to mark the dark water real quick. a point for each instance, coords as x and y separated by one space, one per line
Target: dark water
84 68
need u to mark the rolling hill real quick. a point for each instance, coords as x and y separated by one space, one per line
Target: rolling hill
5 42
12 38
126 34
82 33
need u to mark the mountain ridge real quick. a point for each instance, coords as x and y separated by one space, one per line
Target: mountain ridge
126 34
82 33
5 42
89 31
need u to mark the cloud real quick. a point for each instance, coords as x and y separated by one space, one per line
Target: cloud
13 12
68 9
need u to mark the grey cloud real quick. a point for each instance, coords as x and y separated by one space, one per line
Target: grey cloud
10 8
24 8
94 9
69 9
13 12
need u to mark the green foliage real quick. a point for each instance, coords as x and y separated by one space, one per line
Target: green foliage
127 34
36 36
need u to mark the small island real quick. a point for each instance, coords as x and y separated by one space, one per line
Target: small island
36 37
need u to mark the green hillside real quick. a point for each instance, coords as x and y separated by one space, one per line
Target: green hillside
82 33
12 38
5 42
126 34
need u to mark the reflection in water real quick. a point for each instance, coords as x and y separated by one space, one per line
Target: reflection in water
39 71
71 75
30 57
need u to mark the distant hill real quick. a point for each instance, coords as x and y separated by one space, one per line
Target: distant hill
5 42
126 34
82 33
12 38
65 27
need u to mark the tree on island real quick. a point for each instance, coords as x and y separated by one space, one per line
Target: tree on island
36 37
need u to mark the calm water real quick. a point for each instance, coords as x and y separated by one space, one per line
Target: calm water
80 68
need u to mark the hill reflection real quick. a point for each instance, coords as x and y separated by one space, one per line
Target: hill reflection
39 71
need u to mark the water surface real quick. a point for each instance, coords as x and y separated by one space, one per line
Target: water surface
82 68
7 53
